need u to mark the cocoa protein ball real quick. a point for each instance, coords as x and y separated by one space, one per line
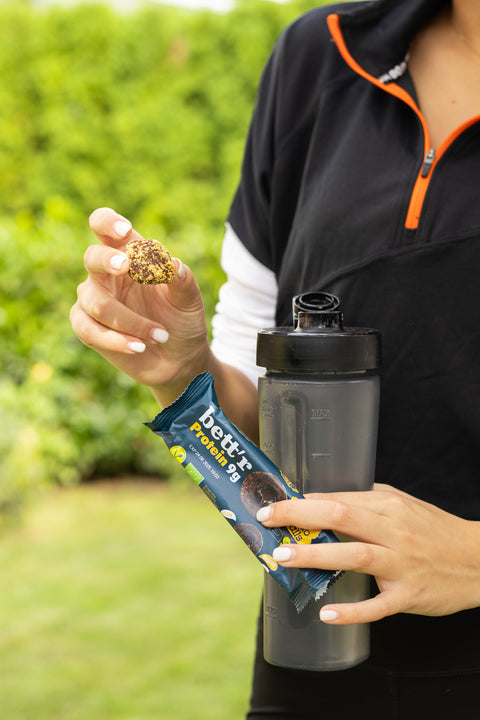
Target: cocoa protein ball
260 489
150 262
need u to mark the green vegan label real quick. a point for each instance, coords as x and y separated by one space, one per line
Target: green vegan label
194 473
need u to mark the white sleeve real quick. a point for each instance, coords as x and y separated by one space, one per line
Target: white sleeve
246 304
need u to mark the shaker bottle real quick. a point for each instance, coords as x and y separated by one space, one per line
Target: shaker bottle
318 407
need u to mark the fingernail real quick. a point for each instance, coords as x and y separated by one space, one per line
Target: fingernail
283 553
122 227
137 347
117 261
180 268
265 513
160 336
329 615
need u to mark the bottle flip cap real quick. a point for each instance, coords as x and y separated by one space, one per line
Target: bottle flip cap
317 340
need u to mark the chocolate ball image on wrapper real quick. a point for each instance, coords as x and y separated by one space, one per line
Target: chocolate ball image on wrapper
150 262
260 489
250 535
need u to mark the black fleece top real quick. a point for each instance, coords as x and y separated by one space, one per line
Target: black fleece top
340 191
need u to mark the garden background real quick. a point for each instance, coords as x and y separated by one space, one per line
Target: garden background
145 112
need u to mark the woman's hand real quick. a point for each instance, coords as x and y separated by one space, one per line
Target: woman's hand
425 561
157 334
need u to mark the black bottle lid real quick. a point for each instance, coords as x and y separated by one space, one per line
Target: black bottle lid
318 341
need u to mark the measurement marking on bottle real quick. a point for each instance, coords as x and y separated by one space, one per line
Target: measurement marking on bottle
271 611
320 414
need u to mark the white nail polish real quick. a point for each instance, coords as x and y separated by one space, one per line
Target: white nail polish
264 513
122 227
117 261
282 553
328 615
137 347
160 336
180 269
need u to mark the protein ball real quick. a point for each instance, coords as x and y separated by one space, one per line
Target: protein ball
150 262
260 489
250 535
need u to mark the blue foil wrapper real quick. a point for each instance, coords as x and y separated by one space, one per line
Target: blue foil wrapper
238 478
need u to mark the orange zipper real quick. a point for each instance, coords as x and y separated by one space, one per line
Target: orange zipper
423 179
431 156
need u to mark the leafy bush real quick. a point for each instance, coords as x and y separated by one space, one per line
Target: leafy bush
147 113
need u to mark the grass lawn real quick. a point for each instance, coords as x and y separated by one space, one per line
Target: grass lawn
126 601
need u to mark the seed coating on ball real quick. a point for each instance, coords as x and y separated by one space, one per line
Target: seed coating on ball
150 262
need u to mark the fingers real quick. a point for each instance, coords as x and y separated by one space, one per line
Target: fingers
109 258
363 497
103 320
369 554
383 500
97 311
356 521
103 259
371 610
362 557
110 227
114 231
103 339
102 306
119 317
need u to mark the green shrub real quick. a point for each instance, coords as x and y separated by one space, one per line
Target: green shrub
147 113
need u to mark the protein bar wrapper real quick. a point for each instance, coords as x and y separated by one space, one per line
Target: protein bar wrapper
238 478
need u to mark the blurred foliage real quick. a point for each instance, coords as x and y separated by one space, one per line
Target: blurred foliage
145 112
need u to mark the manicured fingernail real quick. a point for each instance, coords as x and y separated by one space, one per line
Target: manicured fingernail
180 268
137 347
329 615
283 553
160 336
122 227
117 261
265 513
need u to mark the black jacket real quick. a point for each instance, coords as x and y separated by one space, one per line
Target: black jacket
339 192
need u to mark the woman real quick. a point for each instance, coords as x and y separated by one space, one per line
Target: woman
360 177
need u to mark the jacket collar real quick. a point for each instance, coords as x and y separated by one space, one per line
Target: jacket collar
378 32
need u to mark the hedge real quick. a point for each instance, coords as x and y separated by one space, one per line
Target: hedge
145 112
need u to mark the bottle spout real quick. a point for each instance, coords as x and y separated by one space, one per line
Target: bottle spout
316 311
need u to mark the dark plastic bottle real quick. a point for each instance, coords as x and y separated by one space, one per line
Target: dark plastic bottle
318 407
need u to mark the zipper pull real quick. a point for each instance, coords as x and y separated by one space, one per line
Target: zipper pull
428 162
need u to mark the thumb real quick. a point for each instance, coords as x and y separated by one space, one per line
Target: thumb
180 269
184 291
